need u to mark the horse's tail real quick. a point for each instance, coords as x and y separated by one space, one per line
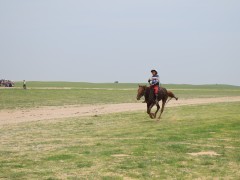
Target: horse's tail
171 95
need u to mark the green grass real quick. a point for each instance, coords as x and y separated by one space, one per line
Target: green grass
76 85
126 146
105 94
43 84
18 98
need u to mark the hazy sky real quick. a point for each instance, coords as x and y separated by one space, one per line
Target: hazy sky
188 41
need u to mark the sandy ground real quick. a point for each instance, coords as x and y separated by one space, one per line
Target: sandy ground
205 153
56 112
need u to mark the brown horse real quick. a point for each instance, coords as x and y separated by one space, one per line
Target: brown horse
150 99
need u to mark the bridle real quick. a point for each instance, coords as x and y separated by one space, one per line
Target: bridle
142 93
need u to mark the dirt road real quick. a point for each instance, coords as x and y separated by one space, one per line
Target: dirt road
56 112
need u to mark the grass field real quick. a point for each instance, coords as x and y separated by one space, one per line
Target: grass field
126 145
37 84
91 93
123 145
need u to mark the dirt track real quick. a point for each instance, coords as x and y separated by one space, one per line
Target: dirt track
46 113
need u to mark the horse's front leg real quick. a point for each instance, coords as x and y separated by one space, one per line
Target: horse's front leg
149 107
158 107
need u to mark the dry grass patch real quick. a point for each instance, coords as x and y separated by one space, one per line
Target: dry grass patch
205 153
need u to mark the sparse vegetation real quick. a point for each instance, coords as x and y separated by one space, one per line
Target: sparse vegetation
126 145
47 94
189 142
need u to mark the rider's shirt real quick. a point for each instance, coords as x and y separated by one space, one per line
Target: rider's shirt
155 80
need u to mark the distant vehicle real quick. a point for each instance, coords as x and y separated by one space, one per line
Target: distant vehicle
6 83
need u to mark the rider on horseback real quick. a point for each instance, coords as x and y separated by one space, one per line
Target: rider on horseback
154 80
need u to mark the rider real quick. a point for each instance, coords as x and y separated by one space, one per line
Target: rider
154 80
24 84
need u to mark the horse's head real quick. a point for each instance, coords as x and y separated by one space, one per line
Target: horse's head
141 91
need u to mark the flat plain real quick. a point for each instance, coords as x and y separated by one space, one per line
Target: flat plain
198 141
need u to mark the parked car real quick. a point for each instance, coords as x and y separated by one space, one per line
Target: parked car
6 83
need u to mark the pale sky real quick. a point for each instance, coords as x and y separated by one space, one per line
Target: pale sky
187 41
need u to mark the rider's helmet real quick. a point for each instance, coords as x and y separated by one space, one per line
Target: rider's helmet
153 70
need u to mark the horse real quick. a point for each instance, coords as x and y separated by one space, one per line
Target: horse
150 99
